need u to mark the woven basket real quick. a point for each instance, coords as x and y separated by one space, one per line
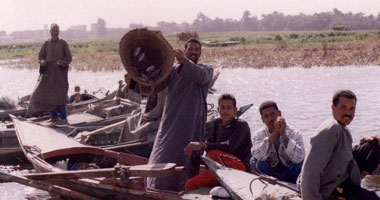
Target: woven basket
147 57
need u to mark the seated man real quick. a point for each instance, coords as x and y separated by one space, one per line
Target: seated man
125 91
330 170
76 92
78 96
145 122
367 155
277 148
126 99
229 143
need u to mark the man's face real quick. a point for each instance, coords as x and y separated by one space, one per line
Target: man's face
344 111
54 32
226 110
269 117
193 51
77 97
127 79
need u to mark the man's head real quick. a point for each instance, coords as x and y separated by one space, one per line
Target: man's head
76 89
343 106
193 49
227 107
127 78
54 31
269 113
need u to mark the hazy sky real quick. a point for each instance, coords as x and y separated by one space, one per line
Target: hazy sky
34 14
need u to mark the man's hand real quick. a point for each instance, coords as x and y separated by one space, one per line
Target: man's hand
179 55
143 121
281 126
195 146
118 100
42 62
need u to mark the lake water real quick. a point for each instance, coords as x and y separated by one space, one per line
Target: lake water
303 95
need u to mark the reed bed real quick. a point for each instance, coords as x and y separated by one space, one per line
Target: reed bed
256 50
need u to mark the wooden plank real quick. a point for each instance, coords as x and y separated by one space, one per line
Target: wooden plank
6 177
82 137
151 170
245 186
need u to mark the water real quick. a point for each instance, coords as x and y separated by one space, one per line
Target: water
303 95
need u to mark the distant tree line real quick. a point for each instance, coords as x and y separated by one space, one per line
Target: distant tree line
275 21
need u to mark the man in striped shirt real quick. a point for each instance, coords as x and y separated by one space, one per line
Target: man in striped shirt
277 148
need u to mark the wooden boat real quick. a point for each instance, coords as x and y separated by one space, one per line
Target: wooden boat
22 108
245 186
10 151
119 175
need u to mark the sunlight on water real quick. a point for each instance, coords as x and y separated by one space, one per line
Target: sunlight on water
303 95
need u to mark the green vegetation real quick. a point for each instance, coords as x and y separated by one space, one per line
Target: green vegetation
295 49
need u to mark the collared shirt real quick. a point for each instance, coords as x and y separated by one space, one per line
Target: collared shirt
289 151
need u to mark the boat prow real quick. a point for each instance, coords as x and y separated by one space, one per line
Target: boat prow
245 186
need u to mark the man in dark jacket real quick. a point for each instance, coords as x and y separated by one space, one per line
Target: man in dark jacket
229 143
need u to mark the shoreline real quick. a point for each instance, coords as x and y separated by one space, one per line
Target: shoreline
253 50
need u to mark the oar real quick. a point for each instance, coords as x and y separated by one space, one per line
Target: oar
83 136
6 177
129 145
243 109
149 170
275 181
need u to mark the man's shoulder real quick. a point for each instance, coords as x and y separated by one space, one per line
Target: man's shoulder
330 128
292 129
241 122
260 131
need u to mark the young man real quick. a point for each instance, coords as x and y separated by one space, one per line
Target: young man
122 106
277 148
50 94
184 116
229 143
75 97
329 170
125 92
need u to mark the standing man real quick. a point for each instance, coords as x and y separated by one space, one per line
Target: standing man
277 148
184 116
50 93
329 170
229 143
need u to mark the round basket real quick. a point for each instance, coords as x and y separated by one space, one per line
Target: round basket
147 57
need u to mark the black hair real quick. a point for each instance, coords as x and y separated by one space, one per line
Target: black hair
267 104
343 93
193 40
227 96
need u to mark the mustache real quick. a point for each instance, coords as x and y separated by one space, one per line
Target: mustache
349 116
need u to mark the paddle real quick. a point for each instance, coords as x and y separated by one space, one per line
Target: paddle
242 109
149 170
6 177
128 145
83 136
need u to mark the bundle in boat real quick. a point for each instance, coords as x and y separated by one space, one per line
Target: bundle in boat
148 58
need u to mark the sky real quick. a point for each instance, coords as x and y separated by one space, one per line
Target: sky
17 15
